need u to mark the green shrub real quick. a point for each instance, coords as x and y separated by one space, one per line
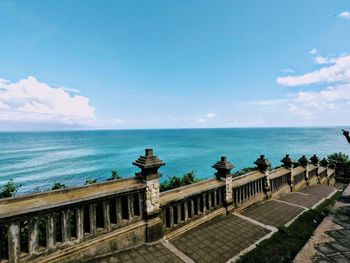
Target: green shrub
9 189
115 176
58 185
90 181
175 181
339 158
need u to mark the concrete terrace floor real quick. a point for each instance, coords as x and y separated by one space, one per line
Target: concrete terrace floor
222 239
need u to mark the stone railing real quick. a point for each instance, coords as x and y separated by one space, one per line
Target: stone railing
280 178
73 224
39 224
185 204
248 188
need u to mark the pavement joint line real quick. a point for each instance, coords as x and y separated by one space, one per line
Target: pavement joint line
300 193
176 251
284 202
252 246
323 199
268 227
295 218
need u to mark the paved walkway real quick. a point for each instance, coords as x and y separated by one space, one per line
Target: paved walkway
330 242
224 238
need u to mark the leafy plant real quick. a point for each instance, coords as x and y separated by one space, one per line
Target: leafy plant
58 185
339 158
9 189
175 181
115 176
90 181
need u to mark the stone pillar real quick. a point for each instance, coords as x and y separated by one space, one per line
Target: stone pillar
263 165
288 164
149 165
33 235
14 242
315 161
223 173
304 163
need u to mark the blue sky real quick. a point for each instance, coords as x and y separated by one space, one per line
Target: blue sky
172 64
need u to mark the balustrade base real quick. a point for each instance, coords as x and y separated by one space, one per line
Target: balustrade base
154 229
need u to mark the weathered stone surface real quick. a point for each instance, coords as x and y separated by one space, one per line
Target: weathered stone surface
152 196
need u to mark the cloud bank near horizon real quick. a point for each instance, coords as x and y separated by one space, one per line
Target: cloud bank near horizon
31 101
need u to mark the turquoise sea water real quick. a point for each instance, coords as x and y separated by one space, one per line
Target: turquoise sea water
38 159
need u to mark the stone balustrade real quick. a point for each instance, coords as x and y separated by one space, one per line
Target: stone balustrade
119 214
38 224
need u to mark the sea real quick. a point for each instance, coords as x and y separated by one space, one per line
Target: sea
37 160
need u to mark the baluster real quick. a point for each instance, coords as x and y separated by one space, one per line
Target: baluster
192 208
141 204
178 207
204 203
65 226
14 242
186 211
79 213
50 231
131 206
92 219
199 209
171 216
33 238
106 216
118 209
215 196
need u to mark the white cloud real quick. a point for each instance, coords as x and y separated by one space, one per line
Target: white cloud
287 71
325 60
334 98
345 14
211 115
313 51
269 102
29 100
339 71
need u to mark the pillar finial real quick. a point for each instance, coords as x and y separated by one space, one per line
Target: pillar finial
262 163
314 160
223 167
287 161
149 165
303 161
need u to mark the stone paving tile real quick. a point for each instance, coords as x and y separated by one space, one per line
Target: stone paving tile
302 200
315 194
144 254
319 190
219 239
272 213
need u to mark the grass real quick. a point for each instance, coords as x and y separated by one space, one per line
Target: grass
284 245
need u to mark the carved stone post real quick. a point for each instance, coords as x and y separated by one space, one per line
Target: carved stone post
263 166
149 165
288 164
224 168
315 161
304 163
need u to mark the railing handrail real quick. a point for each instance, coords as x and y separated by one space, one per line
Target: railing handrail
186 191
247 178
19 205
298 170
278 173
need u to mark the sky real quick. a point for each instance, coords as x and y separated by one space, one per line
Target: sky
173 64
